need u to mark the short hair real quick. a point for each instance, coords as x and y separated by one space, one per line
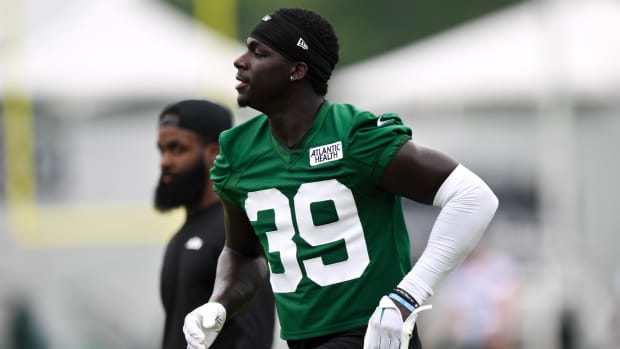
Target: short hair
315 24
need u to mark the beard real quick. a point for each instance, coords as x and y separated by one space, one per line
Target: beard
185 189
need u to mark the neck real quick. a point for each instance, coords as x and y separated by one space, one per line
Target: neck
291 122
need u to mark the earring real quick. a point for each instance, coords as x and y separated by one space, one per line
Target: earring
292 78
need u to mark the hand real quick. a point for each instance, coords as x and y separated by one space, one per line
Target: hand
203 324
386 328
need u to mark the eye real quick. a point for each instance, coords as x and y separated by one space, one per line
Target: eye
258 53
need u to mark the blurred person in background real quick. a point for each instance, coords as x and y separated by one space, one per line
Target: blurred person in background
314 189
188 144
479 304
25 331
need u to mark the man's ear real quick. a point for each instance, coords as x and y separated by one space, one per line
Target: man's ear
299 71
210 152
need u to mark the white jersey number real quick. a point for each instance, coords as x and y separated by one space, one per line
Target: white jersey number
347 228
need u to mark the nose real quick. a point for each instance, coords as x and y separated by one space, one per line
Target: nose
240 62
165 161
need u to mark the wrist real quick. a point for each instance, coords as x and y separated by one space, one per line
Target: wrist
415 285
405 299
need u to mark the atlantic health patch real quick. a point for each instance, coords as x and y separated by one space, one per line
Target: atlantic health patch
325 153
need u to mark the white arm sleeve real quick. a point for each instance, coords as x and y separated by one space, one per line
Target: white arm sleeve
467 207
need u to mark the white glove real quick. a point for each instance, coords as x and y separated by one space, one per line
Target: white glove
386 328
203 324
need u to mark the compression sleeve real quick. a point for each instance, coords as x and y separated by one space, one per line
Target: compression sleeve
467 207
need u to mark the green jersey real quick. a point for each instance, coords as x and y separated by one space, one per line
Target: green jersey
335 243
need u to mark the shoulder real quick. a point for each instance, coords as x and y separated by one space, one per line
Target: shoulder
347 112
246 128
358 118
241 145
243 136
344 108
363 125
347 118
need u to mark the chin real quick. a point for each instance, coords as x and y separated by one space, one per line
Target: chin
242 101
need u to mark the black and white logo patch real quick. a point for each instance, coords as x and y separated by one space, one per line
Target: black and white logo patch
302 43
325 153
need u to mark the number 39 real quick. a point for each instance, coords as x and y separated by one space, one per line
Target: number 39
347 228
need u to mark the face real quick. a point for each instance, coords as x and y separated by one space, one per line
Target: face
184 173
263 75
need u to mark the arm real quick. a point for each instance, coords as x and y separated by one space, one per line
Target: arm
467 206
240 270
417 172
241 267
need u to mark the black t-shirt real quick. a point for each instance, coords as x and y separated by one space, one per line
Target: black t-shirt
187 277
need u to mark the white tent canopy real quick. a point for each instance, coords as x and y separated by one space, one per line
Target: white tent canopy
122 49
529 51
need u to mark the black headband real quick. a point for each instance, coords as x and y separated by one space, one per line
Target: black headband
281 34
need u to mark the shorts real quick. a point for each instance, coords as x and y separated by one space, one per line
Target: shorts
352 339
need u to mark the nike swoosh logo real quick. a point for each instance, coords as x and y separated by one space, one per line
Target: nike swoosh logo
383 122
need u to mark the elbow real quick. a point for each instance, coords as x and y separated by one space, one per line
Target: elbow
493 201
487 202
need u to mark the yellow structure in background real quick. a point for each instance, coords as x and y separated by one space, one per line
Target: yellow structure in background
17 127
220 15
20 171
66 225
35 226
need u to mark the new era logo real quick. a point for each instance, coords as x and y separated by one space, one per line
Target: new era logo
266 18
301 43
